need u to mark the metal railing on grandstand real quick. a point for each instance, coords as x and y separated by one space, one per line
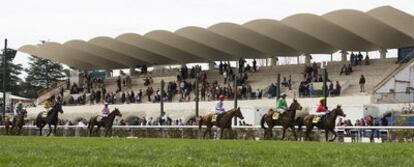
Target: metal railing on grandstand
345 133
393 97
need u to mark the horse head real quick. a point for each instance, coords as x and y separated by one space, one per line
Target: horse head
295 105
24 113
338 111
117 112
238 113
58 107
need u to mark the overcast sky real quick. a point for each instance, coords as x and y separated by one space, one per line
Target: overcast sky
29 21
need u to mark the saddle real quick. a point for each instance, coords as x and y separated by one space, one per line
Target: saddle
318 119
215 118
44 114
276 115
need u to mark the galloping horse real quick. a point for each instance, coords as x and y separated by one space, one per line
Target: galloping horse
327 123
106 123
287 120
50 118
19 122
223 123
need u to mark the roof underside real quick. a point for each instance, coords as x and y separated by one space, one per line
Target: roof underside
381 28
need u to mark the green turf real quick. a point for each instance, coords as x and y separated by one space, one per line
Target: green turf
59 151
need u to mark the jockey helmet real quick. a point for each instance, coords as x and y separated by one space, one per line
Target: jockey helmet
221 97
283 95
322 99
106 103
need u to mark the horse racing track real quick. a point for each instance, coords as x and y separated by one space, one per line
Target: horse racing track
76 151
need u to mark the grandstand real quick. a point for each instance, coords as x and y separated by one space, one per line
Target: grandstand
380 29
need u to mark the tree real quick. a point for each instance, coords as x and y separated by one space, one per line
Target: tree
43 73
13 71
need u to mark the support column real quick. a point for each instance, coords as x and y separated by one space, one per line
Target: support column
108 73
297 59
343 55
308 58
210 65
197 98
273 62
235 96
131 71
162 98
383 53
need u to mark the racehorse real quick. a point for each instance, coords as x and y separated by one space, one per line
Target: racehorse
327 122
223 123
50 118
19 122
287 120
105 122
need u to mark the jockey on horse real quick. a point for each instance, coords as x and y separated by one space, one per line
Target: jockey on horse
281 105
219 109
105 112
320 110
17 111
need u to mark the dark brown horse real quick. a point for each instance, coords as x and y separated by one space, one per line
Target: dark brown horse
104 122
50 118
18 123
223 123
327 123
286 120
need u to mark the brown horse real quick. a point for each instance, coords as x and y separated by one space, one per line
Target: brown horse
105 122
18 122
223 123
327 123
50 118
287 120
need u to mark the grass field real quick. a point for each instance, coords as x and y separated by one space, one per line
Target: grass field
68 152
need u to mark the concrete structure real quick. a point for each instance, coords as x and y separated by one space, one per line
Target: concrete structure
349 30
396 87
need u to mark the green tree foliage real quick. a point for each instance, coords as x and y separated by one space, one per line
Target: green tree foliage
13 71
43 73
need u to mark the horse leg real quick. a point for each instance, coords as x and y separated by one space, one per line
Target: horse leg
221 133
294 132
54 130
326 134
50 130
283 133
334 133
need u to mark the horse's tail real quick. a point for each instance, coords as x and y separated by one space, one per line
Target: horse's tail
200 123
262 121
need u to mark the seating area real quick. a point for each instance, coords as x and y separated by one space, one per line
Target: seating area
261 79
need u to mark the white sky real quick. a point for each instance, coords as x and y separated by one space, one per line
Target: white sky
29 21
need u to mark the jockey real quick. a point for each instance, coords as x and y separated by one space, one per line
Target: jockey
46 105
322 109
219 106
105 111
281 105
19 108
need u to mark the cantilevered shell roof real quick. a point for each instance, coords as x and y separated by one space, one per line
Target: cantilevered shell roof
351 30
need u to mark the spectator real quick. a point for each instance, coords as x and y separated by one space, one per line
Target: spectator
338 88
331 89
362 83
123 98
254 65
149 93
367 60
343 70
118 83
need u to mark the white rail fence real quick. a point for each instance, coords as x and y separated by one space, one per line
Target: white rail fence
345 133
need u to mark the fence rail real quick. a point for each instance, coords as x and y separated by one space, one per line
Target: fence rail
345 133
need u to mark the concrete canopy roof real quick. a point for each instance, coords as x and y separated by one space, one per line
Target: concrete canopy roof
350 30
